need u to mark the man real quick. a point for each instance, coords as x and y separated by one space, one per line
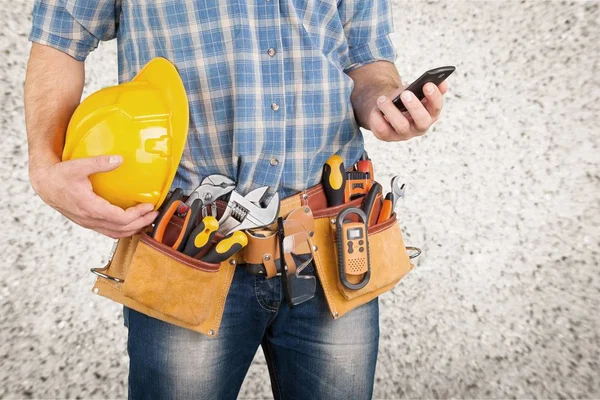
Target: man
275 88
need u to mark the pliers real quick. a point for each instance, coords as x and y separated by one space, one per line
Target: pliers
174 205
210 189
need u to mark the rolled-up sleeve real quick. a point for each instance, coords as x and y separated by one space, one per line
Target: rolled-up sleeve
367 26
74 27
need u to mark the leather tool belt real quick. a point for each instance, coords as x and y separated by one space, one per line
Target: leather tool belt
156 280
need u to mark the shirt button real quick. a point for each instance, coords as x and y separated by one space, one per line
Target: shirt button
271 52
274 106
274 161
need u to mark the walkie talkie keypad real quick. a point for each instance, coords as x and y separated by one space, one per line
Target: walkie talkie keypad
353 249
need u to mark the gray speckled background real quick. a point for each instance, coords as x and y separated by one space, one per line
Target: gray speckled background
503 197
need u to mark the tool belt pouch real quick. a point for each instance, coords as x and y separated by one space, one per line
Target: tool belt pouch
389 260
158 281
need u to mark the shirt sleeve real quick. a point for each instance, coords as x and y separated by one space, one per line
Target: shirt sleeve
74 27
367 26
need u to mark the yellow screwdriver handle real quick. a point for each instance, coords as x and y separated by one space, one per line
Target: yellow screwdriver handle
227 247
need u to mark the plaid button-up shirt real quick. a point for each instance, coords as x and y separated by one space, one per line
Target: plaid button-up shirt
266 79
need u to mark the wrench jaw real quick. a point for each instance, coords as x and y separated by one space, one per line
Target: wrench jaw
218 180
211 188
398 189
242 213
256 196
265 217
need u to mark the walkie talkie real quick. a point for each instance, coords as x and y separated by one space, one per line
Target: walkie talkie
353 249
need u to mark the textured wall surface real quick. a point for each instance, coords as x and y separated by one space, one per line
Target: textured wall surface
503 196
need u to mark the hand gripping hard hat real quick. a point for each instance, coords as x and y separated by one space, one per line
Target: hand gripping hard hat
146 122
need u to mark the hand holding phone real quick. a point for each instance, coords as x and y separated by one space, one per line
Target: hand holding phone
435 76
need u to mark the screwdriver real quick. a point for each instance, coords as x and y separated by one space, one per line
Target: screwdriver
227 247
365 165
201 236
334 180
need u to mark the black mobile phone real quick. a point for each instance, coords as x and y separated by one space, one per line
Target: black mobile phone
435 76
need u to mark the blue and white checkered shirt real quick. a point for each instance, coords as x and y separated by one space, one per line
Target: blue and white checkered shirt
266 79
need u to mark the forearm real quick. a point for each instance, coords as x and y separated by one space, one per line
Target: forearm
53 88
371 81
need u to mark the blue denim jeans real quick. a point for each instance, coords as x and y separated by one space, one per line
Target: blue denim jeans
309 355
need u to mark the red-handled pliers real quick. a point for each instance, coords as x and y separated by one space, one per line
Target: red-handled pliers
175 205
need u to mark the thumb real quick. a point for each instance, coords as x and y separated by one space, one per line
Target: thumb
92 165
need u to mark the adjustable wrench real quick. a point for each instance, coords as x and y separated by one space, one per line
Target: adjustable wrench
245 212
211 188
397 190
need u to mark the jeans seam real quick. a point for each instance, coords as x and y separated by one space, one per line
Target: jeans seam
259 299
269 355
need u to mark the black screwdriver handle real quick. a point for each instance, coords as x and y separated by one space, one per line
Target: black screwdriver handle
201 236
334 180
226 247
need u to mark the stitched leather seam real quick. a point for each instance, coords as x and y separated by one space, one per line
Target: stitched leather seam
171 222
205 269
324 283
128 252
224 292
383 226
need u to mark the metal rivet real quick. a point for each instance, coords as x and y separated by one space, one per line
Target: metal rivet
96 290
335 314
311 234
274 106
332 220
315 248
267 257
232 262
304 196
307 210
211 332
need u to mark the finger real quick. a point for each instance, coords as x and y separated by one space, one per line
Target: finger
91 165
107 232
394 116
434 100
136 225
140 223
115 234
103 210
443 87
421 118
97 208
141 210
382 129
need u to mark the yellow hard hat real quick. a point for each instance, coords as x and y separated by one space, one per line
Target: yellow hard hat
146 122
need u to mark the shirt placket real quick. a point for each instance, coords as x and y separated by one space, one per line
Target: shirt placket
271 161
